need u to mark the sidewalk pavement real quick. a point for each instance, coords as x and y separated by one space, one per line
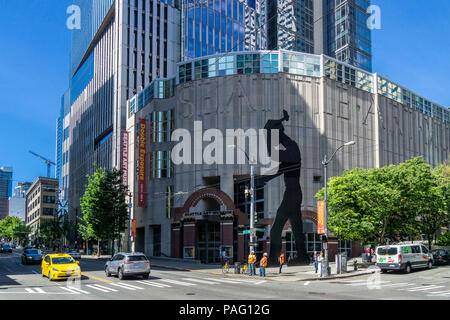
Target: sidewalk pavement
289 273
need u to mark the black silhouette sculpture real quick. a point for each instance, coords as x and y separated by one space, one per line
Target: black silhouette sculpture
290 208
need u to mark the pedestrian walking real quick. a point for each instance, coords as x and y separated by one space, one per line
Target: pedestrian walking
281 261
368 258
263 265
251 262
316 261
320 262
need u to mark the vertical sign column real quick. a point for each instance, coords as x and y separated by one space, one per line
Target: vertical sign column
142 164
321 217
124 164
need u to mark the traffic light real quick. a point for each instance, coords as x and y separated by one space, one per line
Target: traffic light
255 217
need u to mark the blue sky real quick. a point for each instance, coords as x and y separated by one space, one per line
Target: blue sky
412 48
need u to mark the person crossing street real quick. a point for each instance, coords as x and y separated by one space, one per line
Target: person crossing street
263 265
251 262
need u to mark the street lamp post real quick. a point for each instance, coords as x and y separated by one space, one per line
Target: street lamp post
130 205
325 163
252 199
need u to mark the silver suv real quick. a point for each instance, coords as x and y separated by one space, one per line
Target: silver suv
128 264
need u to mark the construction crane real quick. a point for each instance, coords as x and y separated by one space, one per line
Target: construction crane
48 162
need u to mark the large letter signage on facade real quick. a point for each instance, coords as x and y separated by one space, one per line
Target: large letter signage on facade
141 158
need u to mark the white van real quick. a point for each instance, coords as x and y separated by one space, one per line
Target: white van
403 257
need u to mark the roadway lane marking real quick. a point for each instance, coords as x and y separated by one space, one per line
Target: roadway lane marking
367 283
38 290
77 289
178 282
71 291
446 292
200 281
126 286
400 284
35 272
150 283
432 287
96 278
259 282
100 288
224 281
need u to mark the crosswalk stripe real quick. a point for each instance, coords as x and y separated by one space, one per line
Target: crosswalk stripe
365 283
200 281
96 288
39 290
259 282
126 286
446 292
151 283
400 284
106 288
77 289
29 290
71 291
178 282
224 281
424 288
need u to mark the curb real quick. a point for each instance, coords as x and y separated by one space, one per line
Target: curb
267 278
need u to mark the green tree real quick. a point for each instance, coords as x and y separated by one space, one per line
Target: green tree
388 203
103 206
444 239
13 228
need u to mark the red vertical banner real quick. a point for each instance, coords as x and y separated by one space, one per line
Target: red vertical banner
124 160
141 157
133 228
321 217
151 153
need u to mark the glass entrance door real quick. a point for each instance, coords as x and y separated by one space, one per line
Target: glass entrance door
208 241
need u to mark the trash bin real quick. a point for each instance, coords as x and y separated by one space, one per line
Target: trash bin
344 263
237 268
338 260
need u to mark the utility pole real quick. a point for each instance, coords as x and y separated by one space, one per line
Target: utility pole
325 163
130 205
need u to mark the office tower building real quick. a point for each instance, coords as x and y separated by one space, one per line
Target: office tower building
341 31
6 174
290 25
216 26
121 47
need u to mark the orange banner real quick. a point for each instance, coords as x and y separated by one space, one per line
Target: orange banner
133 228
321 217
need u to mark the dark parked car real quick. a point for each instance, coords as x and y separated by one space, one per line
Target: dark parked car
6 248
32 256
441 256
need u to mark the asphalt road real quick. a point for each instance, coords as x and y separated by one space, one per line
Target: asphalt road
25 282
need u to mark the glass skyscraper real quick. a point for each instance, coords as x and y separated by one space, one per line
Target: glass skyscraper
290 25
341 31
6 174
215 26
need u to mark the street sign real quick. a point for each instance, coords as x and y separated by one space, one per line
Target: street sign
253 243
260 229
246 232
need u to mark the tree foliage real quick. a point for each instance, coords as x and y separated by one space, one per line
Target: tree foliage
13 228
388 203
103 206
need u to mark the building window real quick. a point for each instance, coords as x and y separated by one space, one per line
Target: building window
161 165
163 125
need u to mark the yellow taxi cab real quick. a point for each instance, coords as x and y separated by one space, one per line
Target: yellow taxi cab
60 266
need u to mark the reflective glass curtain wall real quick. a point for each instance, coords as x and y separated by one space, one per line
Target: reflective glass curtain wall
348 37
216 26
290 25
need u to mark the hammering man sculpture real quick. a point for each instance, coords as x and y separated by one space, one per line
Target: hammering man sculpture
290 208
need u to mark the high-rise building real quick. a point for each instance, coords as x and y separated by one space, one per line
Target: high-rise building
341 31
17 202
121 47
290 25
6 174
216 26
